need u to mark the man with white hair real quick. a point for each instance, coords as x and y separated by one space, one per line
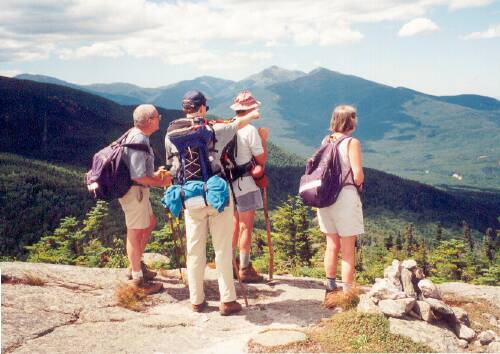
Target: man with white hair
139 216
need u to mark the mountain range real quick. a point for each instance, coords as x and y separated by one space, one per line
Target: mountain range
441 140
49 133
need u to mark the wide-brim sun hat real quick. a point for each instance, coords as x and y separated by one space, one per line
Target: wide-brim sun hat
244 101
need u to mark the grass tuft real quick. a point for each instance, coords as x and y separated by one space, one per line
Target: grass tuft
130 297
352 331
346 300
33 280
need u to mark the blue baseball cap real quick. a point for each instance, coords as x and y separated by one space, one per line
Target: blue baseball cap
193 100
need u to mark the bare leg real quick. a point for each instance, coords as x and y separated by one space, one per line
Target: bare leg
147 233
134 248
246 226
348 247
331 254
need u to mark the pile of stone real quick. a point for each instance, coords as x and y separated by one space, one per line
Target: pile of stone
405 293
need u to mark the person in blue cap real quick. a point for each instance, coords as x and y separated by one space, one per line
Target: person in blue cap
202 219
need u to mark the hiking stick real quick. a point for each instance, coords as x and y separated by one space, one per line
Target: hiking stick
181 232
174 239
268 229
242 287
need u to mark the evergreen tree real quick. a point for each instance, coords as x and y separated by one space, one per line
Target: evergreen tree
408 240
439 233
291 224
448 260
389 242
399 242
488 245
467 235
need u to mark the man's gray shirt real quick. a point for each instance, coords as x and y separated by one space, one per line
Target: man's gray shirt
140 163
224 132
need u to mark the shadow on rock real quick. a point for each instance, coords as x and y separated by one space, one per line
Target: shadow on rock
296 312
299 283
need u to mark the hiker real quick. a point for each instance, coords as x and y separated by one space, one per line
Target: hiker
135 203
342 221
200 220
251 147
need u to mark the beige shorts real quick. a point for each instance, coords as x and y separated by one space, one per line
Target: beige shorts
137 208
345 216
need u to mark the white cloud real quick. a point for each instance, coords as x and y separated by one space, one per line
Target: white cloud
417 26
9 73
492 32
173 30
462 4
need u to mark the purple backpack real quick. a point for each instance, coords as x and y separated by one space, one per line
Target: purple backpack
322 182
109 177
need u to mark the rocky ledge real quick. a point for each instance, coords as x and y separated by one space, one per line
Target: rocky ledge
417 308
74 311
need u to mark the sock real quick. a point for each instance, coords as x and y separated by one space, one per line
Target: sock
331 283
244 260
137 275
347 287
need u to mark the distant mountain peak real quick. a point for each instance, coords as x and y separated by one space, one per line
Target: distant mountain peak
320 70
273 75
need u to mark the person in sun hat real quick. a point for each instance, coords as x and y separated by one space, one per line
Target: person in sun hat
251 145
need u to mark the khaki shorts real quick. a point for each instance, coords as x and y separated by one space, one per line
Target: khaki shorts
345 216
137 208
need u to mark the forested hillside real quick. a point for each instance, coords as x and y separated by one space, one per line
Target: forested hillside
439 140
66 127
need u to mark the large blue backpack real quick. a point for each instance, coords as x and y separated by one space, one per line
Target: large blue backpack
193 139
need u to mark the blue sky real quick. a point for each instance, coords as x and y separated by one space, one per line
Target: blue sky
441 47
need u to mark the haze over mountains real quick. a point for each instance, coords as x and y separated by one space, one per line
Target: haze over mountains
412 134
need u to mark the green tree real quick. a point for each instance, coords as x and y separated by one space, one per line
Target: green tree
89 243
489 245
467 235
389 242
291 232
408 239
448 260
439 233
399 241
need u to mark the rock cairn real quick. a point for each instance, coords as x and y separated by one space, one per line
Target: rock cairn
405 293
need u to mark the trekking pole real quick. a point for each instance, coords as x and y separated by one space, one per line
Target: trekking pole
242 287
174 239
180 233
268 229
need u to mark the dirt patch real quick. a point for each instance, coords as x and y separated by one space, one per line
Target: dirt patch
476 310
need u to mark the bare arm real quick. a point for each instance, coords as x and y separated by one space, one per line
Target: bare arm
355 158
161 178
242 121
262 158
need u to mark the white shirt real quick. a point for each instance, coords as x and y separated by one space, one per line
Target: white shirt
249 144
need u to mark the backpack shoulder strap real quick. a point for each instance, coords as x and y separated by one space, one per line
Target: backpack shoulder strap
140 147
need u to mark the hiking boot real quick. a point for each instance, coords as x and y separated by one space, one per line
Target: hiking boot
250 275
149 288
228 308
146 273
199 307
331 296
